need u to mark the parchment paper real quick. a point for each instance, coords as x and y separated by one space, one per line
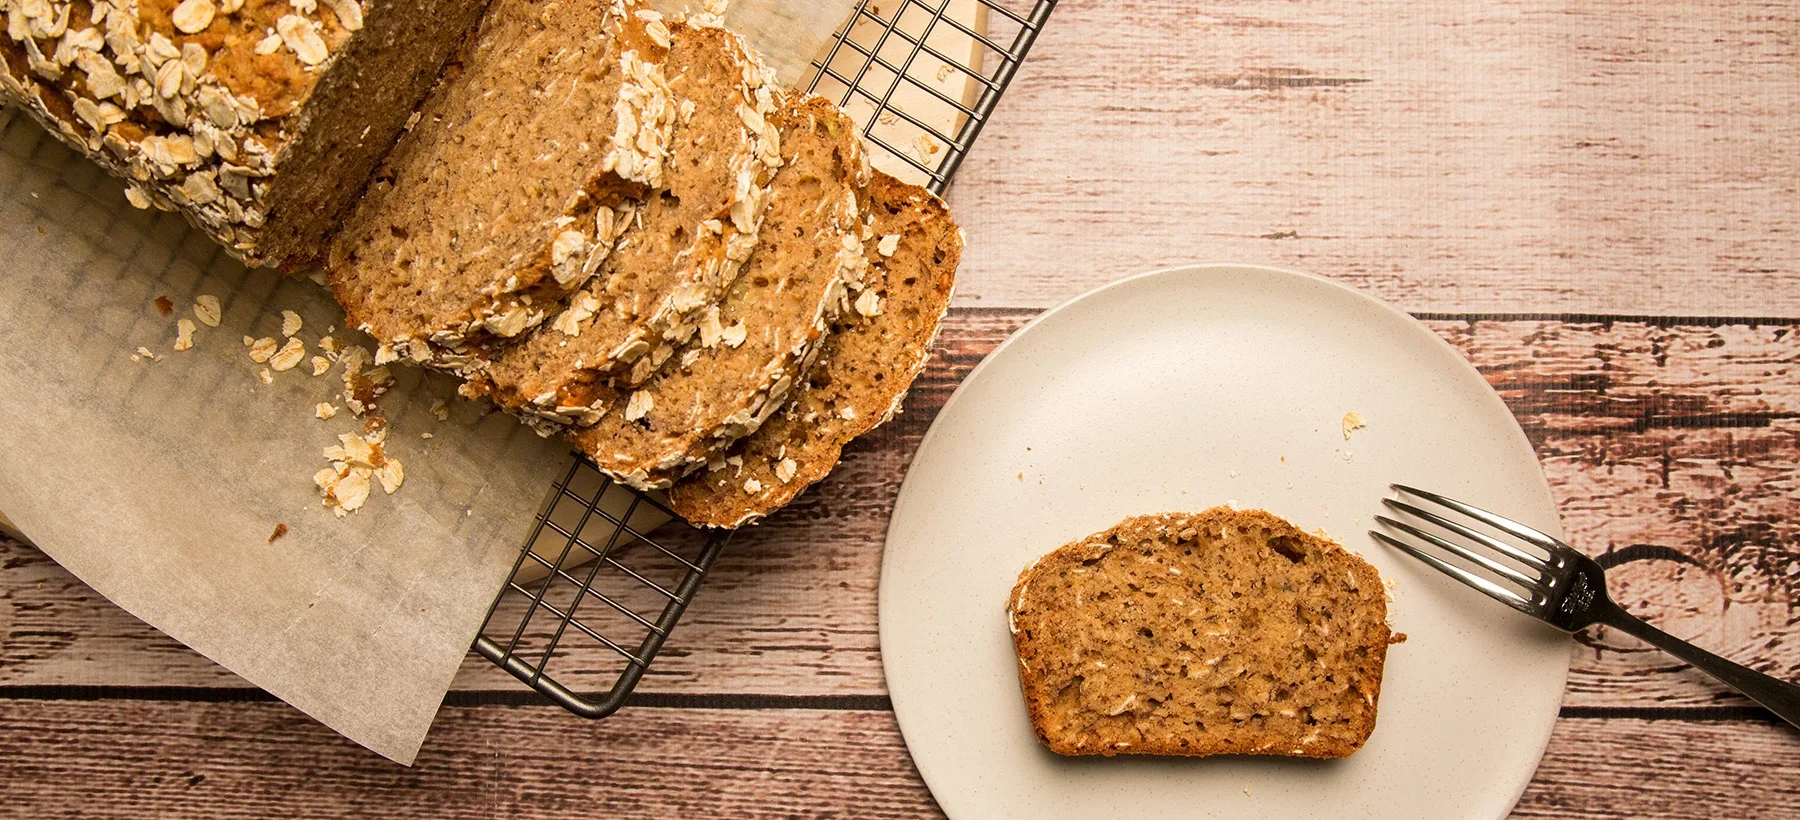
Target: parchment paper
159 483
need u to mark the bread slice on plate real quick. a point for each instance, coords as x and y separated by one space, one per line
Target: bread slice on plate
863 371
1220 632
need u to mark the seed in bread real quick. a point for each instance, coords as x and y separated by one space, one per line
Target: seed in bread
862 373
513 185
258 120
1220 632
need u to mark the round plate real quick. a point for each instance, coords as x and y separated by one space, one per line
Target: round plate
1180 390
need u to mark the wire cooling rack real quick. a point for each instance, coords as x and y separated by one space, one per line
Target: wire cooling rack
611 567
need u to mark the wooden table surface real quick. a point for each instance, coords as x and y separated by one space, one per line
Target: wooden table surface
1596 202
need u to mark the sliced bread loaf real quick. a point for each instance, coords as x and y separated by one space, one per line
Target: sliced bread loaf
863 370
741 365
1220 632
510 188
690 239
258 120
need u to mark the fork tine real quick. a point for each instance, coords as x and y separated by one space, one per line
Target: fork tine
1493 590
1488 518
1448 546
1494 544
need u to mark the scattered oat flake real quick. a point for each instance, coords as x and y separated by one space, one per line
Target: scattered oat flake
425 435
207 309
280 530
288 356
330 344
320 364
1353 421
290 323
391 474
262 349
144 353
267 378
163 305
184 334
325 410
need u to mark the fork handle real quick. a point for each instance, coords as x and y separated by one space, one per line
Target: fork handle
1777 695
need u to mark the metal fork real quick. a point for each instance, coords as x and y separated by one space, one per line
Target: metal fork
1562 588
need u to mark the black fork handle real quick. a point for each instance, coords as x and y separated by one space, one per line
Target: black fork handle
1776 695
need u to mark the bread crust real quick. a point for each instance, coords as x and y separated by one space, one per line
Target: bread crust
1230 676
260 139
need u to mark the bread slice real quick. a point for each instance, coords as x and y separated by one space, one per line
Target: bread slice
515 181
862 373
259 121
686 243
1220 632
750 349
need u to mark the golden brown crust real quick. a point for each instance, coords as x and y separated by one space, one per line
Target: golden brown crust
258 120
1220 632
863 371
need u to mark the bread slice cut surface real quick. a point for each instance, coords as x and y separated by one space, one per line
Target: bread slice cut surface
1220 632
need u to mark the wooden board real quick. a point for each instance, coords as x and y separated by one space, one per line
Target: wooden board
130 759
1624 156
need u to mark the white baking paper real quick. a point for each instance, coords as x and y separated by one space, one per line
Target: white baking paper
159 480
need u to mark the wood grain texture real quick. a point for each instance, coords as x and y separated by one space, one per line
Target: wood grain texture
160 759
1517 155
1684 438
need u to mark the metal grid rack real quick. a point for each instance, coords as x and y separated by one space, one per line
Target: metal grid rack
616 568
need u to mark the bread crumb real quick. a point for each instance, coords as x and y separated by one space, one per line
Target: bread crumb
1246 791
184 334
290 323
425 435
325 410
280 530
144 353
207 309
441 410
266 377
163 305
1353 421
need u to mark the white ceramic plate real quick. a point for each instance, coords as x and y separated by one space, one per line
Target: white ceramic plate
1180 390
